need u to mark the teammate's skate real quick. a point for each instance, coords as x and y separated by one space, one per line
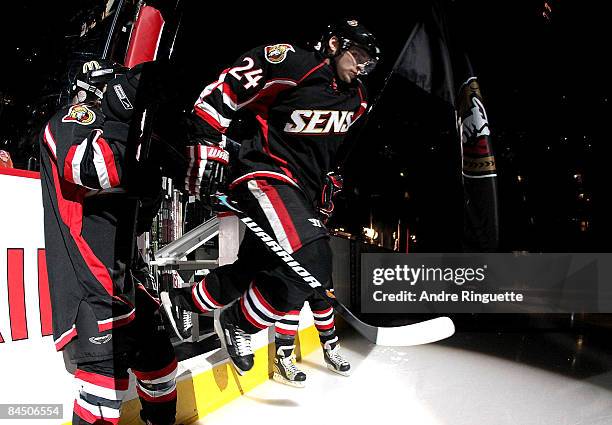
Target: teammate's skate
177 308
285 369
334 360
179 318
235 341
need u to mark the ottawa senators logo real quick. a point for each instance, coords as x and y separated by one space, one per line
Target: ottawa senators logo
278 52
80 114
4 156
330 294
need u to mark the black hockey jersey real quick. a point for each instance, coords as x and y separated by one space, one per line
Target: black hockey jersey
81 151
303 112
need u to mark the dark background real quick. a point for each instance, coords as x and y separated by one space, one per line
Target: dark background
543 73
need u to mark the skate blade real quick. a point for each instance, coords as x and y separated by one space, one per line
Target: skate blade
221 335
240 371
282 380
339 372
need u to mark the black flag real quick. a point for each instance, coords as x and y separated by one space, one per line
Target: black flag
435 62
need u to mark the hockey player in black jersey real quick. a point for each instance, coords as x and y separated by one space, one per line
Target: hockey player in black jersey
103 316
304 102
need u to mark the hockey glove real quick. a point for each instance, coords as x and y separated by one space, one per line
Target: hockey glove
206 171
120 96
332 186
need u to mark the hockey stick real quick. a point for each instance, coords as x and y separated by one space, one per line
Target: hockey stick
401 336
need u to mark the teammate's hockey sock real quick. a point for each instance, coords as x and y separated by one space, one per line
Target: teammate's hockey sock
157 392
101 390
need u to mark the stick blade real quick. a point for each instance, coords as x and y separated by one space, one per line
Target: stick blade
417 333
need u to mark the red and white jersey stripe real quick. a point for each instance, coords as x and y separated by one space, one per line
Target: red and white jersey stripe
276 214
84 156
50 141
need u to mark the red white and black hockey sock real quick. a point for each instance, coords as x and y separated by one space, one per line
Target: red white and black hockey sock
204 297
324 322
288 324
285 331
157 392
254 312
99 396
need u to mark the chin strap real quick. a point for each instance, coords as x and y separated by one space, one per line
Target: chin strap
90 88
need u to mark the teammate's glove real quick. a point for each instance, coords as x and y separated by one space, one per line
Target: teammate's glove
332 186
206 171
120 96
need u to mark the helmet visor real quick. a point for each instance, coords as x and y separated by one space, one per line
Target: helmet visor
365 62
